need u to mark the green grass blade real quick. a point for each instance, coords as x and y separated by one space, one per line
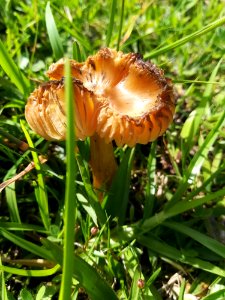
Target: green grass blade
134 292
214 175
40 191
37 250
183 206
86 206
70 198
191 125
179 208
166 250
12 70
120 25
12 203
30 273
199 82
91 196
25 295
88 277
203 239
77 52
10 190
21 227
197 161
156 295
111 22
153 276
72 29
117 199
187 38
219 295
53 33
3 290
151 186
182 290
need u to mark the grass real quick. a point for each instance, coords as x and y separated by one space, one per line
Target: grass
159 232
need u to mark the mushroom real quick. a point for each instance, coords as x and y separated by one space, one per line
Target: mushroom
45 110
118 97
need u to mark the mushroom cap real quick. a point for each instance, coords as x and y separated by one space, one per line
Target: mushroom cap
137 101
117 95
45 111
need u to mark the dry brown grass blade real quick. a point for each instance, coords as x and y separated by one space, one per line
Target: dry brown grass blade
29 262
11 141
30 167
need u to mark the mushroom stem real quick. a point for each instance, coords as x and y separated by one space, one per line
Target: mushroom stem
102 162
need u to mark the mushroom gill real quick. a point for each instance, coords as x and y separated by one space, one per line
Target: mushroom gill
46 115
117 97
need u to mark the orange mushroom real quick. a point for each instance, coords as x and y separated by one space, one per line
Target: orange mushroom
117 97
46 115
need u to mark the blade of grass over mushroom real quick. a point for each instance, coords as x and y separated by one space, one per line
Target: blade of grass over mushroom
203 239
70 197
40 190
53 33
111 22
165 250
117 199
12 70
88 277
121 24
186 39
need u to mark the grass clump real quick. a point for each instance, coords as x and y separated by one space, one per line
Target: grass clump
159 233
